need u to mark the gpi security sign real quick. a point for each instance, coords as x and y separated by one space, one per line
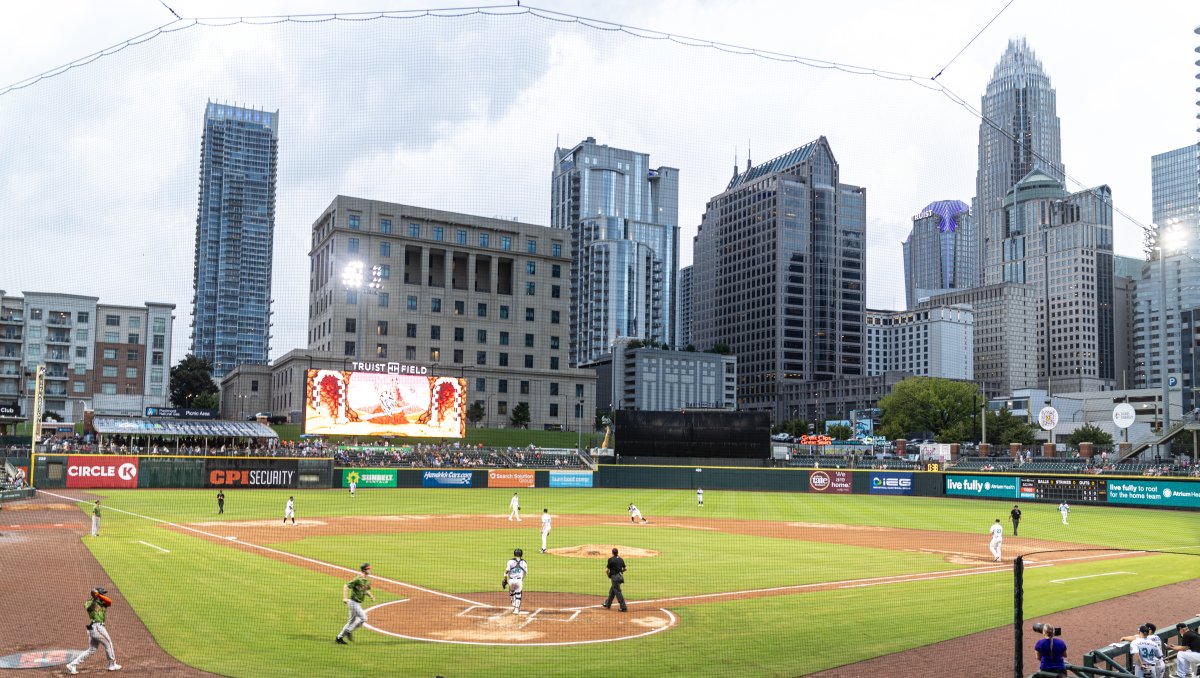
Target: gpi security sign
251 473
102 472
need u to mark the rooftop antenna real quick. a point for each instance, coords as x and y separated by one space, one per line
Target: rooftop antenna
747 155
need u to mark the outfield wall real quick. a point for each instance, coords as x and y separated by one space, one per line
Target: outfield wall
109 471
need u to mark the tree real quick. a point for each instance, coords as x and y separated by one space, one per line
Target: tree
520 416
476 412
920 404
1003 428
839 432
1090 433
207 401
191 378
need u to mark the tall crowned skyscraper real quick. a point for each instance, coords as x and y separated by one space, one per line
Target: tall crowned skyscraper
1019 133
939 254
624 223
779 275
235 228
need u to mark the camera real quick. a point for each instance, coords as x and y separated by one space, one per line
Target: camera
1042 628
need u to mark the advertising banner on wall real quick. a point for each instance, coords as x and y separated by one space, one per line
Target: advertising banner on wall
369 477
885 482
829 482
570 479
983 486
102 472
251 473
1154 493
510 478
384 404
446 479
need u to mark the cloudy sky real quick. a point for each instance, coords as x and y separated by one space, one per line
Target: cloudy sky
99 165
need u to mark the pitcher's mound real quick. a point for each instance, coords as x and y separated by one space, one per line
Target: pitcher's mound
596 551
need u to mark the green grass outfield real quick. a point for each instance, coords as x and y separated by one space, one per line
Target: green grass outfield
237 613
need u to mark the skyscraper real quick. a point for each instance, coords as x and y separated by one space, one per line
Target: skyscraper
1019 132
779 275
235 229
940 254
624 222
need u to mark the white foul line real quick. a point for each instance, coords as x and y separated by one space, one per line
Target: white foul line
275 551
1102 574
146 543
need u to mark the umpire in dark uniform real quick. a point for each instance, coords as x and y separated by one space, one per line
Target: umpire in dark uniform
1015 515
616 574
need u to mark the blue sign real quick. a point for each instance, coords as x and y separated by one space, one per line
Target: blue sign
1154 493
983 486
883 482
446 479
570 479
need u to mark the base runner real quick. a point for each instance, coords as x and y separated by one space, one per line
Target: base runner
354 594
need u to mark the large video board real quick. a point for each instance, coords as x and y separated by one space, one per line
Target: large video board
346 403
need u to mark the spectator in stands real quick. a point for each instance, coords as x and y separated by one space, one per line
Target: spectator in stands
1051 652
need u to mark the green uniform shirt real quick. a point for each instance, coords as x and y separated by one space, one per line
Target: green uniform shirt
96 510
358 588
95 610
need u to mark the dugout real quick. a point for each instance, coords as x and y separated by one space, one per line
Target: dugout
682 437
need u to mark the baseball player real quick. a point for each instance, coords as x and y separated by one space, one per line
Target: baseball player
634 514
700 496
220 501
545 527
515 505
997 538
97 609
1015 516
1148 662
1064 510
96 519
354 593
353 486
289 511
514 578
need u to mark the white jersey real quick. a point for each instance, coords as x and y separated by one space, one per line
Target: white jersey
516 569
633 510
997 532
1148 652
291 507
514 503
1063 508
545 522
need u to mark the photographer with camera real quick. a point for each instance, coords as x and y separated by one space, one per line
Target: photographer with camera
1051 650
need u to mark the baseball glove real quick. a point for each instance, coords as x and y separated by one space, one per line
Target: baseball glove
504 583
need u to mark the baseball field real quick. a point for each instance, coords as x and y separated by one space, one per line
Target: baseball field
750 584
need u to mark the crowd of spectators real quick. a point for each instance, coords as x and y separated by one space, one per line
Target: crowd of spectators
456 455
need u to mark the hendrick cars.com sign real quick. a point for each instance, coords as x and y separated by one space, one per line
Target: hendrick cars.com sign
102 472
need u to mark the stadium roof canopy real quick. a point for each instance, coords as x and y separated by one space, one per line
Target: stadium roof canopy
199 428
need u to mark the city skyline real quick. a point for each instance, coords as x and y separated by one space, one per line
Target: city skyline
909 145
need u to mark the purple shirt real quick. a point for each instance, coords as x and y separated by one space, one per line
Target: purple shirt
1051 651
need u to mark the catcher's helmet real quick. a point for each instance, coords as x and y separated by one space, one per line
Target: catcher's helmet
518 552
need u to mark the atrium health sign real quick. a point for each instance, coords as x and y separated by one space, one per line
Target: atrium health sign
102 472
1154 493
982 486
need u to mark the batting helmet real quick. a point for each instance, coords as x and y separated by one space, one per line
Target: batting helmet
518 552
101 590
365 567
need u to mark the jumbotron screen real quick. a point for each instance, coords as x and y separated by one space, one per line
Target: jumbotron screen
343 403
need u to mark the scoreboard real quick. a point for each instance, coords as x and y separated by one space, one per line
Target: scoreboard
1065 489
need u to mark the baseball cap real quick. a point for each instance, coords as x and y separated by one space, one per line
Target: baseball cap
1143 629
1181 625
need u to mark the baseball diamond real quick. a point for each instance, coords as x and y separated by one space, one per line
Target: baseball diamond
743 572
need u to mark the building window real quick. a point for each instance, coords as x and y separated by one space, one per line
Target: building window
36 314
554 317
460 237
81 335
156 390
458 356
111 337
578 390
504 338
381 328
385 226
555 271
460 308
528 362
531 267
530 289
481 310
384 271
108 371
410 330
458 334
555 292
437 233
502 407
484 239
480 385
160 341
83 317
481 336
383 299
110 354
135 323
554 362
554 388
414 230
381 351
131 354
502 386
506 243
134 338
108 389
355 222
412 303
351 296
503 359
503 312
36 333
131 373
435 305
80 369
410 352
349 348
480 357
435 354
529 315
385 249
556 249
528 341
351 325
78 386
81 351
524 388
160 325
531 246
352 245
554 343
110 320
156 376
553 409
435 332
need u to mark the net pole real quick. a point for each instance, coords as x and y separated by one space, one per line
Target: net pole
1018 616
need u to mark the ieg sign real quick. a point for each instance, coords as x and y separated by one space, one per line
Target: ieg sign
1154 493
446 479
102 471
883 482
983 486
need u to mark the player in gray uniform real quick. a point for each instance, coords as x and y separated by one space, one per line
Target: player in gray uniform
354 594
97 609
514 578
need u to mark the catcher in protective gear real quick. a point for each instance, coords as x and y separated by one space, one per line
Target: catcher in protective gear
514 578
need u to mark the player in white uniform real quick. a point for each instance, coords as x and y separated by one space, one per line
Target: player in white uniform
1147 654
515 505
289 511
997 539
353 486
634 514
545 527
514 578
700 496
1064 510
